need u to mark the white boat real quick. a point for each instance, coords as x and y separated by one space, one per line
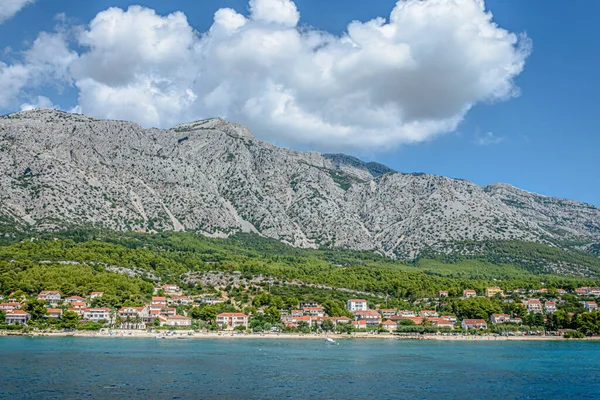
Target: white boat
330 341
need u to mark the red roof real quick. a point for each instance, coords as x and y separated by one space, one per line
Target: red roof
178 317
19 312
357 300
474 322
231 315
388 322
159 298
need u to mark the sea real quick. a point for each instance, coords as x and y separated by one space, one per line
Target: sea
124 368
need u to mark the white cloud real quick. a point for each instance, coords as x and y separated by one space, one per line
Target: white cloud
8 8
384 83
40 102
46 63
488 138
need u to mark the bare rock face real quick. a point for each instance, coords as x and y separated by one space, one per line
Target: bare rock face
213 177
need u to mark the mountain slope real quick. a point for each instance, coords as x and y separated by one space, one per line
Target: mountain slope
214 177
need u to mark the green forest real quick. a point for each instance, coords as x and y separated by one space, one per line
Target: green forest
75 262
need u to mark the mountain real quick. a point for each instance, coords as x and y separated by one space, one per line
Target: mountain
60 170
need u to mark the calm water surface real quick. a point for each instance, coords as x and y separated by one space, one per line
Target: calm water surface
76 368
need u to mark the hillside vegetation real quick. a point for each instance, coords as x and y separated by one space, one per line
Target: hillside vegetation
79 261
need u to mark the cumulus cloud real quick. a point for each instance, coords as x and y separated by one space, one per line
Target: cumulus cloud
8 8
39 102
487 139
401 79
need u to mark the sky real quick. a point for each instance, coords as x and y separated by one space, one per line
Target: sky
501 91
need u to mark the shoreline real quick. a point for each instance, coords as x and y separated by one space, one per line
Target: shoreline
181 335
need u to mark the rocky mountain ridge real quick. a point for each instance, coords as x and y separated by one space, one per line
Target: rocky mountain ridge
213 177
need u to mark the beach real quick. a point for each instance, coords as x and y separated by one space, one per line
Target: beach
184 334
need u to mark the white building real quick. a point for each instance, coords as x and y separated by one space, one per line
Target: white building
232 320
96 314
356 305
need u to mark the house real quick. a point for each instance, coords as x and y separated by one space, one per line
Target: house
442 323
389 325
428 313
54 313
72 299
133 312
515 320
304 304
360 324
211 300
232 320
387 313
369 316
315 311
10 306
297 313
341 320
595 291
582 291
590 305
493 291
78 305
159 300
550 307
49 296
443 293
469 293
561 291
450 318
178 320
171 288
499 318
356 305
96 294
179 300
96 314
473 324
406 313
534 306
17 317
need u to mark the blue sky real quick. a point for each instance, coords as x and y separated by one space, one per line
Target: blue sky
544 140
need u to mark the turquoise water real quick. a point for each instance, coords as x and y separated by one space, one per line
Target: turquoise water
76 368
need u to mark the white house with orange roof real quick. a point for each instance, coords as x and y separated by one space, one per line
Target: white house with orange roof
75 299
314 311
550 307
469 293
17 317
97 314
49 296
590 305
96 294
159 300
499 318
389 325
369 316
178 320
357 305
387 312
10 306
473 324
231 320
534 306
54 313
171 288
428 313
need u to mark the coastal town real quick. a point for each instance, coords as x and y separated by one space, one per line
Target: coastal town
170 308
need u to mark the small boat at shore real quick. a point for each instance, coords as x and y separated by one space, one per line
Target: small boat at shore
330 341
